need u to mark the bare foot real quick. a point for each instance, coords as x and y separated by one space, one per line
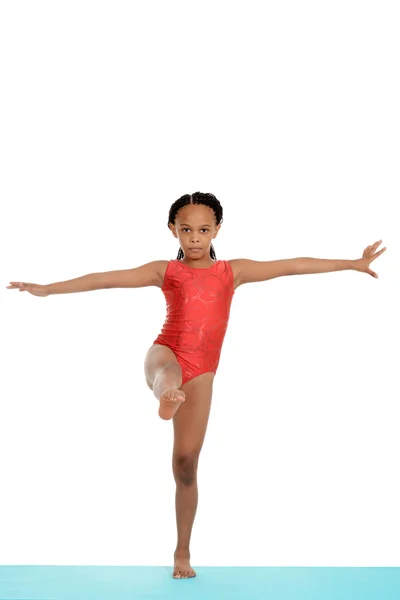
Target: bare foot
182 568
170 401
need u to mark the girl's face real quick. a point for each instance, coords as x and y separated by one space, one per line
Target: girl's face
195 228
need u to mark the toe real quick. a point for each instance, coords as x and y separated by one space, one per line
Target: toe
177 573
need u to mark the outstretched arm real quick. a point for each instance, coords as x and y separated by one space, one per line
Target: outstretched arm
151 273
253 270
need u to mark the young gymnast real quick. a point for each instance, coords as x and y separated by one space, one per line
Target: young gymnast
181 364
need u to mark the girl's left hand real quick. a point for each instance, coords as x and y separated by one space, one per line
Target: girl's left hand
362 264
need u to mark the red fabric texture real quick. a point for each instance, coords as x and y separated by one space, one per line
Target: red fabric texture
198 308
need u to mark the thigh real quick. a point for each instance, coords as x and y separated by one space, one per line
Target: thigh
156 358
190 421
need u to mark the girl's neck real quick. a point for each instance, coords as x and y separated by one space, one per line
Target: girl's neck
195 264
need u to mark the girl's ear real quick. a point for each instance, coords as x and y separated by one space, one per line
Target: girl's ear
216 232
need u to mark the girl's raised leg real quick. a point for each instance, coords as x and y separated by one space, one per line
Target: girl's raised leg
164 377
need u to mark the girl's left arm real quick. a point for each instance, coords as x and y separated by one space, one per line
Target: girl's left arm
253 270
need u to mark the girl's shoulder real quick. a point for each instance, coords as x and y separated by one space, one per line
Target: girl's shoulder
236 266
161 266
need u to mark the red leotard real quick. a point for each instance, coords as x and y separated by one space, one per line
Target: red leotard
198 307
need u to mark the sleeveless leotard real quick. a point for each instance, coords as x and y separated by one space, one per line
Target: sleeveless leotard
198 307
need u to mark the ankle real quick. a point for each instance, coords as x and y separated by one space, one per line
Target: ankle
182 551
168 378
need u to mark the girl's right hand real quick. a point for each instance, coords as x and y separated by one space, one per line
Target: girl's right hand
32 288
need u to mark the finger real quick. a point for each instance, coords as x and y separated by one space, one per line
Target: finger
378 253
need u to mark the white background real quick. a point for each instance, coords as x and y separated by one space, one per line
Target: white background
289 113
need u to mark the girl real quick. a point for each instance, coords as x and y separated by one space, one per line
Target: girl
181 364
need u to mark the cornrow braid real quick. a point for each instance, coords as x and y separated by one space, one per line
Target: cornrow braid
197 198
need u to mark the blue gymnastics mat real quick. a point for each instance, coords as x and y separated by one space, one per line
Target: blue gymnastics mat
211 583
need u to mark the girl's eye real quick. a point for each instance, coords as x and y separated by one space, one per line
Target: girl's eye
186 228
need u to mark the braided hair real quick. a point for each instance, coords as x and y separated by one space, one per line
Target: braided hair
197 198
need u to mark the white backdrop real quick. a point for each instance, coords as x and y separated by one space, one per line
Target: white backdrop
288 113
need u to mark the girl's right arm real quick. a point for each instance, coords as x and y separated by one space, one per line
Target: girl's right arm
146 275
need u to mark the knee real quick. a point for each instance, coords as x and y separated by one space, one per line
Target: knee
185 467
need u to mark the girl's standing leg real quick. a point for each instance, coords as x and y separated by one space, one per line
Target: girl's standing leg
190 425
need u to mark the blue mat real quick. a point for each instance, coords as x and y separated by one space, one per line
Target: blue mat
211 583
